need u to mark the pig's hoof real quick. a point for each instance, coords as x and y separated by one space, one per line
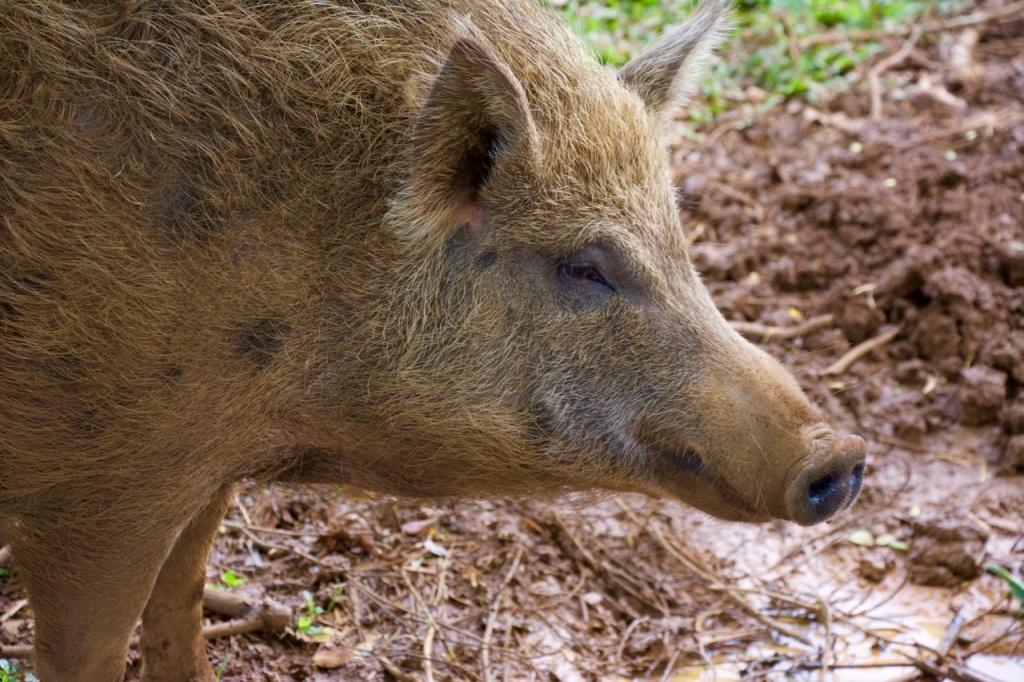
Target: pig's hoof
830 484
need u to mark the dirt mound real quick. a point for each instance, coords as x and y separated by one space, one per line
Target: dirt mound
946 548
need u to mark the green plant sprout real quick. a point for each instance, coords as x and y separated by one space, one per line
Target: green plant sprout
335 598
305 623
231 580
1015 583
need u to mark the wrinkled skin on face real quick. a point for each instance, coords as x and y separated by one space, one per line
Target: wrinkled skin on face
418 247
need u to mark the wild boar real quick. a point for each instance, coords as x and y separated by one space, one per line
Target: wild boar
424 248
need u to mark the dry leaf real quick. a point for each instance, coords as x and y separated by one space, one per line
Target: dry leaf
418 527
332 658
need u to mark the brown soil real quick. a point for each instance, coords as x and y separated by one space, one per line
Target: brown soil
912 222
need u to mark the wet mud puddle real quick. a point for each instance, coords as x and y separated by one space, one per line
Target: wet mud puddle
879 629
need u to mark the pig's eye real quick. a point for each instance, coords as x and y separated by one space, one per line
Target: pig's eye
580 273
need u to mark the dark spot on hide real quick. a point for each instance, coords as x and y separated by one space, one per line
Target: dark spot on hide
540 423
63 370
260 342
87 422
19 295
170 375
486 260
7 311
34 283
186 213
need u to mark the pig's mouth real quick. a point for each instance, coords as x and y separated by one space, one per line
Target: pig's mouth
712 495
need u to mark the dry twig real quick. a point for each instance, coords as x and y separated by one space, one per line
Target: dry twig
625 637
732 593
266 616
428 640
952 632
428 650
283 548
269 616
859 351
235 525
766 332
506 640
397 672
985 120
743 198
225 603
495 607
949 671
838 120
938 93
874 74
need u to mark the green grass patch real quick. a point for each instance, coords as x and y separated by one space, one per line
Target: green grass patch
763 51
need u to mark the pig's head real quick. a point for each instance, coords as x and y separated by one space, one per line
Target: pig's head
547 330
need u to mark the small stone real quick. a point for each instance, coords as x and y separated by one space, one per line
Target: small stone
1011 262
1012 416
330 659
862 537
1013 453
755 95
982 392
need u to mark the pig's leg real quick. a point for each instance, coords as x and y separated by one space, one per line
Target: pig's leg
87 584
173 648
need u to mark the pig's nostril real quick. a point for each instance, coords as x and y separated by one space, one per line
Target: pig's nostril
826 494
856 479
821 490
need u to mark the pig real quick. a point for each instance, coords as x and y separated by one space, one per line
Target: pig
423 248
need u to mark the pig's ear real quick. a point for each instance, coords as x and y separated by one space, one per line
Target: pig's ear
659 75
475 120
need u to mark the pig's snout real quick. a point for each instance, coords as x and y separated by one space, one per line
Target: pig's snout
828 483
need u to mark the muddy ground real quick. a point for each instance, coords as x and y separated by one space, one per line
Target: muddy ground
817 229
